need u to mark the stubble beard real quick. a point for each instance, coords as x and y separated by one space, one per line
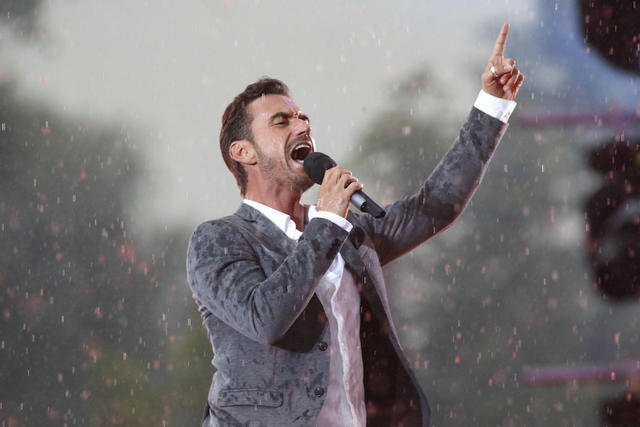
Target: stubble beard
284 175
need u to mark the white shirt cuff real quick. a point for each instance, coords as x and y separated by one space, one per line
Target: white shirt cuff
336 219
496 107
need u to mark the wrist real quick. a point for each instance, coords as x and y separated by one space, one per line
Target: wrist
316 212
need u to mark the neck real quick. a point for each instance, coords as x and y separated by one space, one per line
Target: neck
287 202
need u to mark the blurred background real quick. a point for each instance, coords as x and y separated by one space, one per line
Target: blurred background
525 312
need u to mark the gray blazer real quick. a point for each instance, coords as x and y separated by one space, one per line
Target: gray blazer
255 289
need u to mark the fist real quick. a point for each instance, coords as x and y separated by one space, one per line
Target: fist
338 185
501 78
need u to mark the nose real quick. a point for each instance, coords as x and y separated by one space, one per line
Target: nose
301 127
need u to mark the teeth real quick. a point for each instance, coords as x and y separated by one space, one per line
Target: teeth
301 146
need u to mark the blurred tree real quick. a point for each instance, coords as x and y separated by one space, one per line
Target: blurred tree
623 411
85 304
613 28
21 16
613 211
613 219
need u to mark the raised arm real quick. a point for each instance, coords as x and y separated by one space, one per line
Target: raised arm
446 192
443 195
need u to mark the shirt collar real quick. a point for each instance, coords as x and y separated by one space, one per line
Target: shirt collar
280 219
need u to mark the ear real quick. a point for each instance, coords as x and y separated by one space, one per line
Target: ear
243 151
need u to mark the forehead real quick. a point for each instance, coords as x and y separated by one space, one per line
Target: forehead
264 107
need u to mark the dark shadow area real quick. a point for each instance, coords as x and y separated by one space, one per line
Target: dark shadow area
21 16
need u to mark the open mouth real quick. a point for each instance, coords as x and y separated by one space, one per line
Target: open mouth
301 150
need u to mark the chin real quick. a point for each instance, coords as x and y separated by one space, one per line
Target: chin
303 184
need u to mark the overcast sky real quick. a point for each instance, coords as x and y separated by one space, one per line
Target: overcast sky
169 68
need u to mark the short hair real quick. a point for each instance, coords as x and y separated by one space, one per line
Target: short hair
236 122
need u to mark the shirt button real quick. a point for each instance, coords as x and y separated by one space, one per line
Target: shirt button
319 391
322 346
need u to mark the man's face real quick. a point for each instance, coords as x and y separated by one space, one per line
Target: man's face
282 138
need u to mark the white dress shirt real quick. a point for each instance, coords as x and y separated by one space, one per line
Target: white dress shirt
498 108
344 403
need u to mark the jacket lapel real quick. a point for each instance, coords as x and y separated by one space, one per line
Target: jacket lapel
370 297
350 254
265 230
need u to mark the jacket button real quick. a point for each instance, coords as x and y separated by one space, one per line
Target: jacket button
322 346
319 391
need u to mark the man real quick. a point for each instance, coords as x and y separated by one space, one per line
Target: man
293 296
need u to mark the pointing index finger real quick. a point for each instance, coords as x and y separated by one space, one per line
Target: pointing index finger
498 49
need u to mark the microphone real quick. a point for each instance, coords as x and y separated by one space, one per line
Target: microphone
315 164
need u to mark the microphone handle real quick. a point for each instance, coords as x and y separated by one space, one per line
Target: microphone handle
366 204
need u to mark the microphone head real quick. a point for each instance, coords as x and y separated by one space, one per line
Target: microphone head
315 164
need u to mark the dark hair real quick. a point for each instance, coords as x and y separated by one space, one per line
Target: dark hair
236 122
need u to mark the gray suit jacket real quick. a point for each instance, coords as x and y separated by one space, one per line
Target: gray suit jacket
255 289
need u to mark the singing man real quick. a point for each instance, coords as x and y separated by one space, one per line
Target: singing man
292 296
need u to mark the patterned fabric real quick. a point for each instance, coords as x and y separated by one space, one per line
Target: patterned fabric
255 289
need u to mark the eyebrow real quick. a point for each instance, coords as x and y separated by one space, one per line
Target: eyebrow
285 115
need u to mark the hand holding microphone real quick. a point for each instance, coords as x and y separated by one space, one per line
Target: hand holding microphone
336 190
338 187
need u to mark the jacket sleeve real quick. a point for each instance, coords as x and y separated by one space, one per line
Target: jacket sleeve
227 279
443 195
